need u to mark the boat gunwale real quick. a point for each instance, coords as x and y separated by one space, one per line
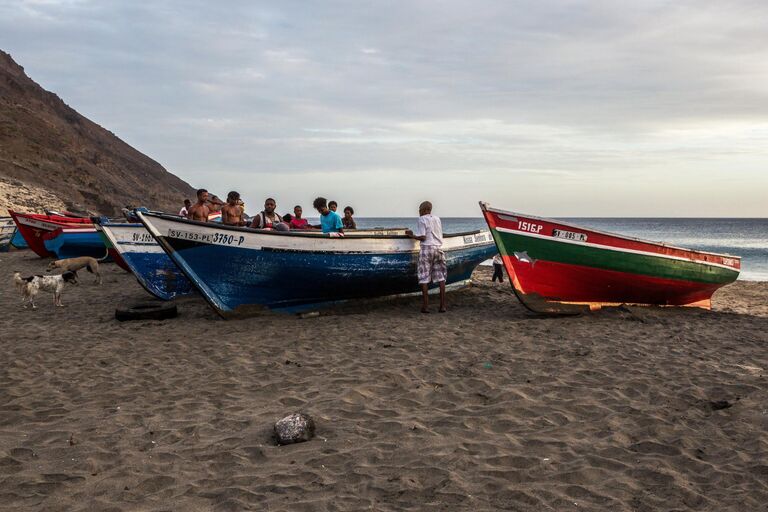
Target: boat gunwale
486 207
299 233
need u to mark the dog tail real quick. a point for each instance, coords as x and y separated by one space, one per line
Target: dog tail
105 258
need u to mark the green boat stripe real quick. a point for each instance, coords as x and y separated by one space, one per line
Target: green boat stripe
620 249
600 257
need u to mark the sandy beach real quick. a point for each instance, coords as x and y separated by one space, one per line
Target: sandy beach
486 407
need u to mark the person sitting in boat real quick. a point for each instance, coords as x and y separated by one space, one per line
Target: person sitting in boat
232 212
200 211
216 204
333 205
330 221
348 220
185 209
267 218
431 265
297 222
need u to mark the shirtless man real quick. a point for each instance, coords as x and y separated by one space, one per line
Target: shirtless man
199 210
232 212
215 204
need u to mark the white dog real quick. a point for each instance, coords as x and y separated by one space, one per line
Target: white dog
30 286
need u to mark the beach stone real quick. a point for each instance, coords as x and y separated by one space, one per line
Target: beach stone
295 428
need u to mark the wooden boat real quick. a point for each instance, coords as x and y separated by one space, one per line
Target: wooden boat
112 252
7 232
142 255
75 241
36 229
558 267
239 270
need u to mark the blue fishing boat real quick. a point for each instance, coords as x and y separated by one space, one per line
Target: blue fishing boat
153 269
241 270
75 241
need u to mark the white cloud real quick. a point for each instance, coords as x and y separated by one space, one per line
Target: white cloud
567 108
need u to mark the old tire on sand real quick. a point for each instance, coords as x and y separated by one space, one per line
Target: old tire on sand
147 311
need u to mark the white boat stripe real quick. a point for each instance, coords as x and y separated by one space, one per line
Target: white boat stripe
616 249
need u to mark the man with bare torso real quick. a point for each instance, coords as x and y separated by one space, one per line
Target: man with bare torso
199 210
232 212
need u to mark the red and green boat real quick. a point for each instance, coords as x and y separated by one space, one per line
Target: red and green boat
557 267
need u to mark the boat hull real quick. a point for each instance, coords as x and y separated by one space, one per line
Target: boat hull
239 270
18 240
68 242
113 254
35 229
152 267
560 268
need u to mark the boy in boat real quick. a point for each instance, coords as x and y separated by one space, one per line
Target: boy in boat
232 212
297 222
431 266
199 210
333 205
348 220
330 221
267 218
185 209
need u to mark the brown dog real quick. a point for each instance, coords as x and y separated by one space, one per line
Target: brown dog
75 264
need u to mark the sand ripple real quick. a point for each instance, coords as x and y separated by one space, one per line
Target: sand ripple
485 408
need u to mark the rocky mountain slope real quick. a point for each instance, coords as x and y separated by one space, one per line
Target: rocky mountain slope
46 145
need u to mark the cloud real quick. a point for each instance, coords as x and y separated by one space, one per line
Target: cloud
556 104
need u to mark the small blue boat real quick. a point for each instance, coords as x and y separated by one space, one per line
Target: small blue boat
73 242
242 270
153 269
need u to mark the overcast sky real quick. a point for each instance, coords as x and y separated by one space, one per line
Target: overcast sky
553 108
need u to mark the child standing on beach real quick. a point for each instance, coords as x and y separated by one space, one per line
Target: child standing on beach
431 266
498 264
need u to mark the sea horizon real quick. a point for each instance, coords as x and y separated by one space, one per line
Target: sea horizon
746 237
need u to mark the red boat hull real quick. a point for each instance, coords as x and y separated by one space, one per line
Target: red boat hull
118 259
556 267
35 227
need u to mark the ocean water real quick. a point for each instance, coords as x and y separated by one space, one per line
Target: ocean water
747 238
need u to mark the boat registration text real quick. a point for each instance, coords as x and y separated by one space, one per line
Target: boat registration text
207 238
569 235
